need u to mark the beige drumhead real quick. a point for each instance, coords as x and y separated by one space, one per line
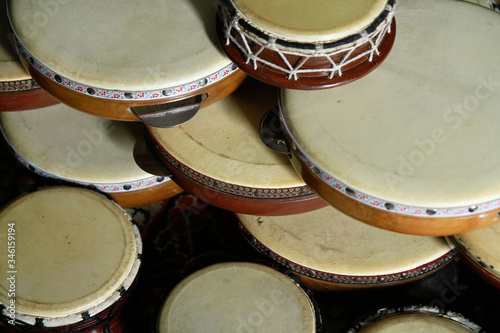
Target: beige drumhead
310 21
127 46
420 131
328 241
483 247
223 143
74 249
237 297
11 68
60 142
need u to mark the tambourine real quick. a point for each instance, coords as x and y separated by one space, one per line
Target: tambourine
306 44
69 147
328 250
158 63
412 147
238 297
73 258
219 157
18 91
416 319
479 249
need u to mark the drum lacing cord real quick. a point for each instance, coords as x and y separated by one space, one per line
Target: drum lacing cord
232 21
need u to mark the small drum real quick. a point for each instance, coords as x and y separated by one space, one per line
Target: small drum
329 250
18 91
416 319
73 147
127 61
71 261
307 44
219 157
237 297
413 146
479 249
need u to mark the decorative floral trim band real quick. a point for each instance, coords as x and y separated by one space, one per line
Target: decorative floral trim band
124 95
231 189
347 279
18 86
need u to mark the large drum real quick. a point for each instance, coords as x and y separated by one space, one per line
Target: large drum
18 91
479 249
71 258
72 147
136 60
412 147
220 158
329 250
238 297
416 319
307 44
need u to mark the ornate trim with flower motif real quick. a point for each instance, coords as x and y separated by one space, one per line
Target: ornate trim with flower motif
166 92
228 188
347 279
18 86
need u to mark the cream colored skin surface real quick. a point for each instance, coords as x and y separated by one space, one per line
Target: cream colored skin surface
310 21
75 146
330 241
130 46
11 68
484 244
237 297
74 248
421 129
416 323
223 141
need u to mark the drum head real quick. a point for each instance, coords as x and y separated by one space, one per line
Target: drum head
329 245
129 46
62 143
74 249
310 21
417 136
11 68
237 297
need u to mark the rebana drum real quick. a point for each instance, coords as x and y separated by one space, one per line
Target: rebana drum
76 258
330 251
416 319
72 147
479 249
156 62
18 91
237 297
413 146
219 157
307 44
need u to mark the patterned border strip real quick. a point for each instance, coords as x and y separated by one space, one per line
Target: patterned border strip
387 313
18 86
372 36
379 203
347 279
106 188
126 95
228 188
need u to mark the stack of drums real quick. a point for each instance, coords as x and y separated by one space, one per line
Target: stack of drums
385 111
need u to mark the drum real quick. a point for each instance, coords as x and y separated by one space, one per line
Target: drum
404 154
18 91
416 319
219 157
71 261
329 250
485 3
75 148
306 44
237 297
158 63
479 250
